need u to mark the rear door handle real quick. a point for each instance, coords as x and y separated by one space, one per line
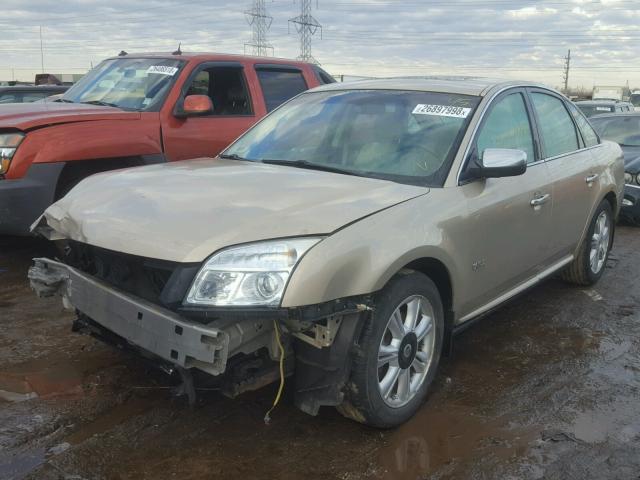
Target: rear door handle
540 200
591 178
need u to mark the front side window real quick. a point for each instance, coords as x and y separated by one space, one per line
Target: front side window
556 127
226 87
129 83
588 135
507 126
624 130
278 86
404 136
635 99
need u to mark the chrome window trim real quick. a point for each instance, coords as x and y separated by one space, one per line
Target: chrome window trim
632 186
477 126
562 155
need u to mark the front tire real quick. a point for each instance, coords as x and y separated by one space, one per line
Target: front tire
398 355
588 266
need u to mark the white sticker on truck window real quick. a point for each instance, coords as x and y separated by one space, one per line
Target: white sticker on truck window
603 109
162 70
441 110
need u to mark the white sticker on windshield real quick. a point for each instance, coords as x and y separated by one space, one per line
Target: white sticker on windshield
162 70
603 109
441 110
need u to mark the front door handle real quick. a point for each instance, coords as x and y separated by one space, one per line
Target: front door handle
591 178
540 200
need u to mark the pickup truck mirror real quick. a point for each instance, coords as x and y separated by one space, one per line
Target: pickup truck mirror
498 162
194 105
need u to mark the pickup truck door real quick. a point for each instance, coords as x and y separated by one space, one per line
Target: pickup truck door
508 219
234 111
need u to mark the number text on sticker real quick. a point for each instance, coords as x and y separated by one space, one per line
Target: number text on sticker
441 110
162 70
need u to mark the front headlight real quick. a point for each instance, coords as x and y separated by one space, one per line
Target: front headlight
8 144
628 178
248 275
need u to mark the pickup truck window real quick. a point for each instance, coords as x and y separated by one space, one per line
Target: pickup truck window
556 128
128 83
403 136
278 86
227 88
507 126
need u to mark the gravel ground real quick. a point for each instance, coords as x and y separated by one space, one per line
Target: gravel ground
546 387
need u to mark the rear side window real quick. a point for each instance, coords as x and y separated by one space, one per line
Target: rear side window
507 126
278 86
588 134
226 87
556 128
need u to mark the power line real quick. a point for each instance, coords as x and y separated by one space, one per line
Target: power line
260 23
306 26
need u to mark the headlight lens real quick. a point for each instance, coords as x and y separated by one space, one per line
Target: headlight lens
628 178
248 275
8 144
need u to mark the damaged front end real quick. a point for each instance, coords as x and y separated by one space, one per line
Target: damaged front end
136 304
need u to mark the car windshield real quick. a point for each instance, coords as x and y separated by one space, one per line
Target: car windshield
591 110
622 129
404 136
127 83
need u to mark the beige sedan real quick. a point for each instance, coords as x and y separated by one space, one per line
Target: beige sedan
342 241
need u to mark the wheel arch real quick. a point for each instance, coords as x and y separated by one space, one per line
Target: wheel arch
74 171
439 270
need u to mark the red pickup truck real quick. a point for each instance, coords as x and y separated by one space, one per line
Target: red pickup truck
135 110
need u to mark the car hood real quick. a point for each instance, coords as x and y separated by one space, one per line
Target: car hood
26 116
185 211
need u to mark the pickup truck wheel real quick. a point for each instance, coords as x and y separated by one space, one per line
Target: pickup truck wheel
588 266
399 352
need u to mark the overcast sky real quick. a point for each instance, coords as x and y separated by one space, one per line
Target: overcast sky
506 38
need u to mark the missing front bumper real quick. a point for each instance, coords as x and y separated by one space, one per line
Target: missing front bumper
146 325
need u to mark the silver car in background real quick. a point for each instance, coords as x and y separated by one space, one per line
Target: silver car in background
343 240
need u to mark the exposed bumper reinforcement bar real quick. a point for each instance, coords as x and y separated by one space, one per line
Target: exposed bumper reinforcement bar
151 327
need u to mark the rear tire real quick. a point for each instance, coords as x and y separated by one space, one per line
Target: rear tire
589 264
398 355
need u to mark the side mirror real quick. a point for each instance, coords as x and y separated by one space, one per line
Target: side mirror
194 105
499 162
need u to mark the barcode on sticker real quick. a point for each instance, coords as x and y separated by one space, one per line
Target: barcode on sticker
162 70
441 110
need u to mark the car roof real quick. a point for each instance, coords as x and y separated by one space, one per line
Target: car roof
602 101
210 56
464 85
616 115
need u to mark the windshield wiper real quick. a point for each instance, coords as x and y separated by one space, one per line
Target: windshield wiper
311 166
101 103
231 156
63 100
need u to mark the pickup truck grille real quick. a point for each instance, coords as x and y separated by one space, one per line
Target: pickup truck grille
140 276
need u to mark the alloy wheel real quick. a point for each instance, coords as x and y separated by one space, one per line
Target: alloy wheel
600 242
406 351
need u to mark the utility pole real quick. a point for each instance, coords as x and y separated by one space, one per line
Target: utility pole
567 64
306 26
41 52
260 22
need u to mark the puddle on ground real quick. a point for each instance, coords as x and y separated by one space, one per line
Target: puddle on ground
18 466
434 438
47 377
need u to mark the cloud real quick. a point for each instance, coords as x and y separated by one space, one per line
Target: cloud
519 38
